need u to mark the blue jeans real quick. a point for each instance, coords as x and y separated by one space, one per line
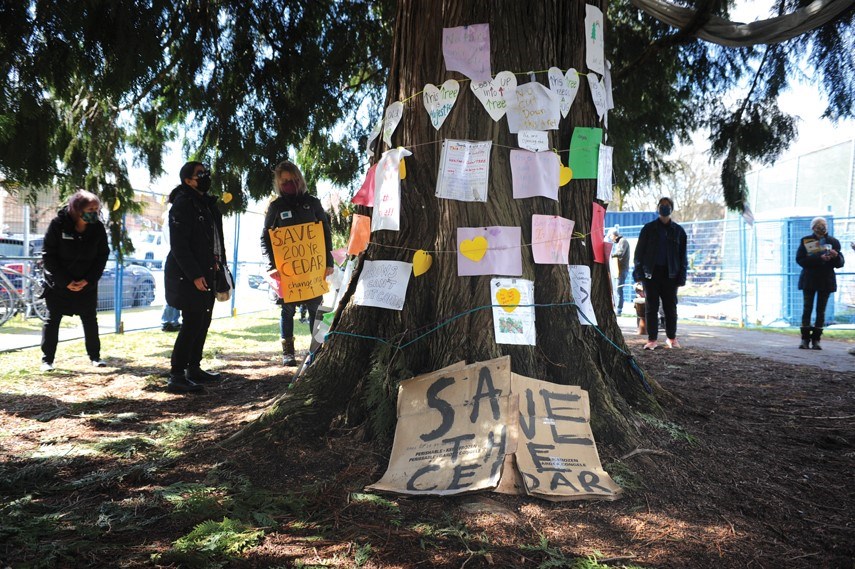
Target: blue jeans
170 315
286 318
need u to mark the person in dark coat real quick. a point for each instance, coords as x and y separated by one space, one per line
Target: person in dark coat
293 205
661 263
195 255
74 256
818 255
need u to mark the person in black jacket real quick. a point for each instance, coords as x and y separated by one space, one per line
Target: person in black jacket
293 205
195 255
818 255
74 256
661 263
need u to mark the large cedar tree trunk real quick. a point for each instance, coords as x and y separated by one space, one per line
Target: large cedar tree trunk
354 380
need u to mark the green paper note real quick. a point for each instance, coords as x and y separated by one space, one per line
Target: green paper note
585 152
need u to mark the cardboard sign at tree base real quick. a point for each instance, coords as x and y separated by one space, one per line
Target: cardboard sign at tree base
466 428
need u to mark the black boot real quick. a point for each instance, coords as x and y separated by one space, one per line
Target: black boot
814 337
178 383
805 345
288 358
198 375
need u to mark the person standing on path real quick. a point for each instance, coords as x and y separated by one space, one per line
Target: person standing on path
661 262
818 255
620 252
74 256
293 205
195 253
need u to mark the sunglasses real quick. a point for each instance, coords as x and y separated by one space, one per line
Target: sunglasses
202 174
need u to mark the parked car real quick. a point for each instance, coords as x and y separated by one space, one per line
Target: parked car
138 282
150 249
137 286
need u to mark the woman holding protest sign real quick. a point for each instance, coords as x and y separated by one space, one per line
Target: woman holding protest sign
292 205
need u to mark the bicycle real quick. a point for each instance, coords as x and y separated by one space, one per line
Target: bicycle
22 293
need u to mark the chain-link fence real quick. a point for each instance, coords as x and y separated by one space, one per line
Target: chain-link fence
747 274
737 273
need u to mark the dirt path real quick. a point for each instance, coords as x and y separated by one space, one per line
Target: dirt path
752 468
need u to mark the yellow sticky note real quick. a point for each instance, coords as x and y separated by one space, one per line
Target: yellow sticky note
422 261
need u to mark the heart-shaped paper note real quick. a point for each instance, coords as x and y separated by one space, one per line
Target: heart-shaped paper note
402 170
565 86
117 204
391 118
474 249
492 93
565 174
440 100
598 94
509 298
227 197
422 261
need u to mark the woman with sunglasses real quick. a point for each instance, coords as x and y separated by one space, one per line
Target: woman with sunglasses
195 253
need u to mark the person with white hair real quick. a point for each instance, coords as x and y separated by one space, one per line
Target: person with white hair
620 252
818 255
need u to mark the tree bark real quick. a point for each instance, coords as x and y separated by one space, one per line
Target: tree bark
355 378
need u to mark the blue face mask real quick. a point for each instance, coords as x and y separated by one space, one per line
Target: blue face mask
89 216
664 210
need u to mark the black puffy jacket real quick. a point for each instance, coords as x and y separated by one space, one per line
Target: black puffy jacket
71 256
647 247
817 273
195 223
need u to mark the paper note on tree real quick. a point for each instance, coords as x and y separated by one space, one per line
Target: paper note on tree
300 255
464 169
580 285
489 251
383 284
584 152
534 174
513 315
532 106
594 44
550 239
467 49
387 191
604 174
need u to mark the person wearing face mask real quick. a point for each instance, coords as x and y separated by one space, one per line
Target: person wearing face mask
661 262
74 256
195 254
818 255
292 205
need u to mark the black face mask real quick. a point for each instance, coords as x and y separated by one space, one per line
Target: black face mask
203 184
664 210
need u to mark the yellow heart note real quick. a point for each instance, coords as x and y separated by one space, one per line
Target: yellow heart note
565 174
117 204
422 261
227 197
509 298
402 169
474 249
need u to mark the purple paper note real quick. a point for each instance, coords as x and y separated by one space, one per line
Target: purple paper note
489 251
550 239
467 49
534 174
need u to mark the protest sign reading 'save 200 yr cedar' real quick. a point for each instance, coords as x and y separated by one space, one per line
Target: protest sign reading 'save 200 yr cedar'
300 255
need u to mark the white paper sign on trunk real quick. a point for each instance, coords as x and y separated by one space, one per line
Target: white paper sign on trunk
375 132
580 284
440 100
607 85
532 107
467 49
513 315
492 93
464 170
391 118
594 45
383 284
565 85
598 94
604 174
534 140
387 191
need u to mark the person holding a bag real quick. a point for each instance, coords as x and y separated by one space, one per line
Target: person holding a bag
293 205
196 256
